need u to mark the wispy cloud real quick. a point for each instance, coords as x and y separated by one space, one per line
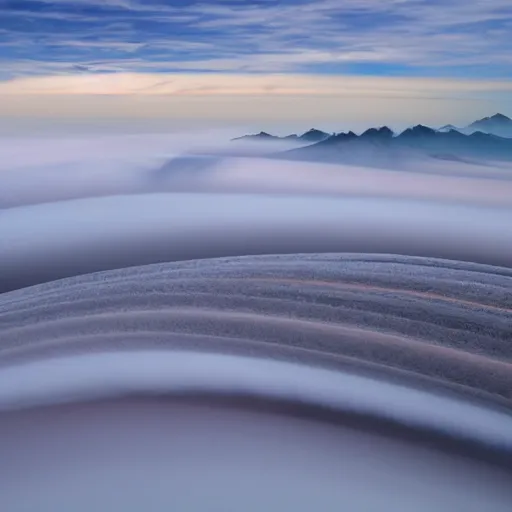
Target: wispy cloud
240 84
123 46
448 38
129 5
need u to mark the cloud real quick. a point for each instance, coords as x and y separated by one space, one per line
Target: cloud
241 84
407 37
36 170
449 49
123 46
103 90
129 5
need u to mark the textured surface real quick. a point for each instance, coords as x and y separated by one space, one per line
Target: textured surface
79 237
448 321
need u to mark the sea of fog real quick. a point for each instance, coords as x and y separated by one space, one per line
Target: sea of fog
94 369
95 201
35 169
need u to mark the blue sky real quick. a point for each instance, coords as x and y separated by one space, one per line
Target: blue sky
431 60
442 38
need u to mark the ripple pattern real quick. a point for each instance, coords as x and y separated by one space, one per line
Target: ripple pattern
441 321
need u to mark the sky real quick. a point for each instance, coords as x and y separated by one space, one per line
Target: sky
256 60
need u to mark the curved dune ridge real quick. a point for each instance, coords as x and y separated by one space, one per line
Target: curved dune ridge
99 234
260 383
443 321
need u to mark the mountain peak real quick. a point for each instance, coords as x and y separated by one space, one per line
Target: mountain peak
338 137
423 129
500 117
496 118
447 128
314 135
258 136
498 124
382 133
418 130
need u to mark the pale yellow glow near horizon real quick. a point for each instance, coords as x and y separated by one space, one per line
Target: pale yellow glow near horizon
222 83
251 97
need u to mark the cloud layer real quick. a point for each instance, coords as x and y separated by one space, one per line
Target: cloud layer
414 49
218 83
368 36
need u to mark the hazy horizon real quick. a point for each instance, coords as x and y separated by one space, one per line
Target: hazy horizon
293 63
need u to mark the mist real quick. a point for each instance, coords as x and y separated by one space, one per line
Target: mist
37 170
113 200
135 454
132 297
255 256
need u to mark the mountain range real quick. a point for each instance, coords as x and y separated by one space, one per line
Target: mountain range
312 135
382 143
498 124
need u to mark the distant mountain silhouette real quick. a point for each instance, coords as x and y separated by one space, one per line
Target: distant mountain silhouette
373 134
417 132
312 135
382 143
383 134
257 136
485 139
447 128
334 139
497 124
